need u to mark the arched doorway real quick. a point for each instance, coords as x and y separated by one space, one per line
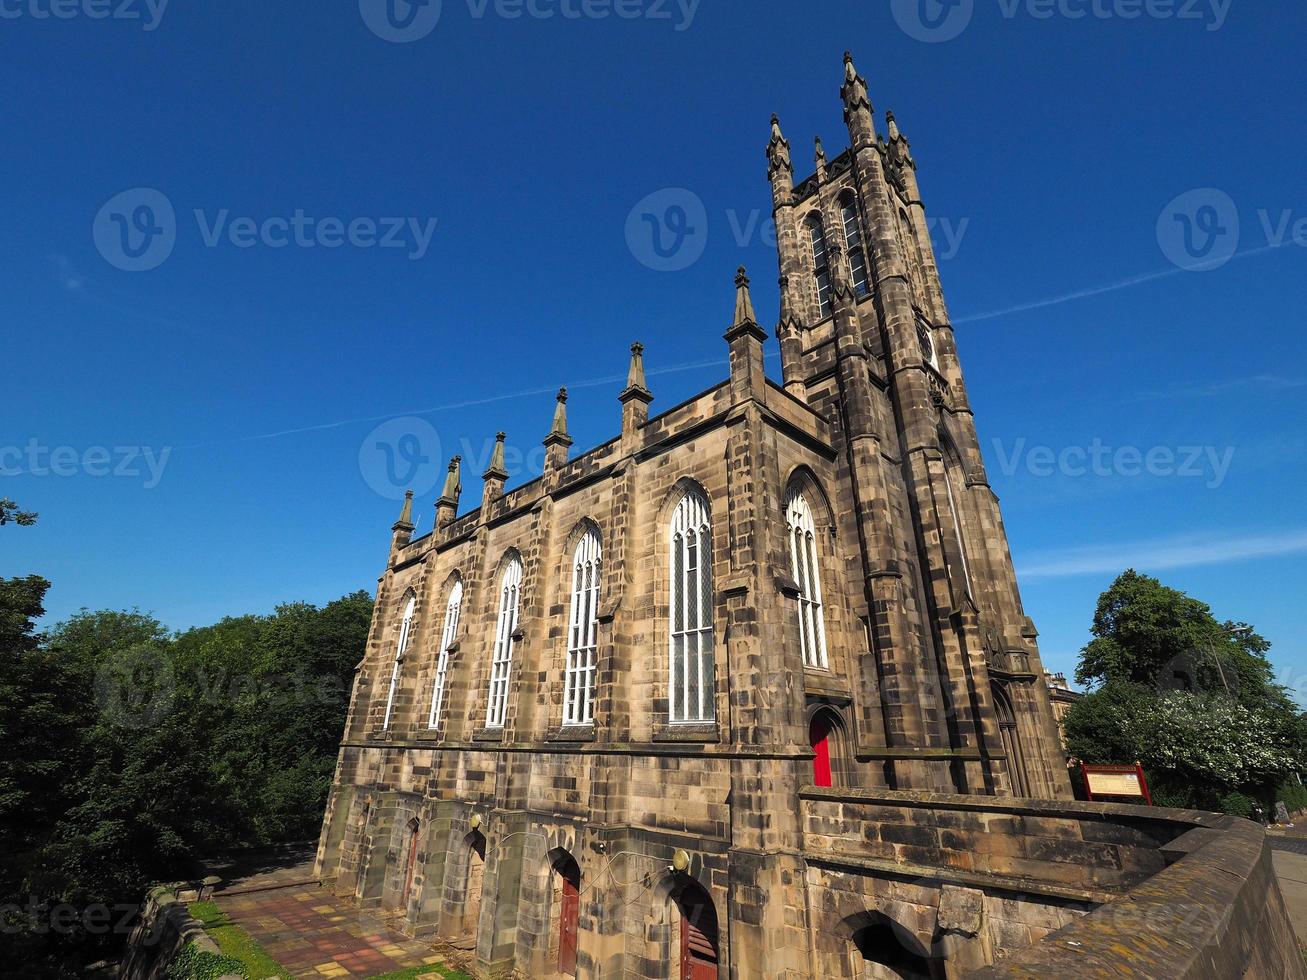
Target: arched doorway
824 736
476 875
410 865
880 953
1007 727
568 892
698 934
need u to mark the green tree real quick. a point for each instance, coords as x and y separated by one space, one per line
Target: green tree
1192 698
9 513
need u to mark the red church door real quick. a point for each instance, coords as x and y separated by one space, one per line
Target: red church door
568 917
411 864
698 939
819 734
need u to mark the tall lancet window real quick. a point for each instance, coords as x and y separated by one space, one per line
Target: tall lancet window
853 240
957 530
583 632
510 588
691 677
401 651
820 265
447 637
805 562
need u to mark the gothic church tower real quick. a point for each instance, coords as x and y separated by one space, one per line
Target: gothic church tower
866 342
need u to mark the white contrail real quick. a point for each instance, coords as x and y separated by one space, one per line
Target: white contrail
1153 556
507 396
1111 287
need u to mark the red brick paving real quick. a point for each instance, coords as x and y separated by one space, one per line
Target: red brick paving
314 934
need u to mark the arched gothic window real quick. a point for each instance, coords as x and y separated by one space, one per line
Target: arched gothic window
401 650
501 667
691 673
853 241
447 637
583 632
820 265
805 564
957 530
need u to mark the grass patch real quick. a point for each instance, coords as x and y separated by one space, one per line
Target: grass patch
236 943
421 971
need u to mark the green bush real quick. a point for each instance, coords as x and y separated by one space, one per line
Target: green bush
1237 804
193 963
1293 795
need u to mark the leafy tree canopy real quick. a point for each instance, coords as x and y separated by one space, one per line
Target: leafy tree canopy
10 514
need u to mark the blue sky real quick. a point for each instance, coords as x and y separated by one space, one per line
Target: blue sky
1057 153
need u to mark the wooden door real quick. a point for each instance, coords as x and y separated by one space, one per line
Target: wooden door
410 866
819 734
568 919
698 941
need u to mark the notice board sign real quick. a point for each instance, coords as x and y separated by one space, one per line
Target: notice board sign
1116 781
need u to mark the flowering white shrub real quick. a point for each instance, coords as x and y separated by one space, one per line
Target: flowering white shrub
1215 738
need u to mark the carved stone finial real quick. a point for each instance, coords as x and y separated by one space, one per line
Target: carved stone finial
635 384
497 469
558 431
405 521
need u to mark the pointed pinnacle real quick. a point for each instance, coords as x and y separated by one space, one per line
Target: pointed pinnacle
497 469
453 482
743 299
558 432
406 515
635 383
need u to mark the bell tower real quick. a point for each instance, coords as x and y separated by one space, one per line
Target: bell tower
867 343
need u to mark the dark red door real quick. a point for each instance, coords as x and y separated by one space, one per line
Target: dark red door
411 868
568 916
819 734
698 941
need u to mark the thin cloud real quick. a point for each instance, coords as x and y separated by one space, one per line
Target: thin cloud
1259 382
1154 556
470 403
1111 287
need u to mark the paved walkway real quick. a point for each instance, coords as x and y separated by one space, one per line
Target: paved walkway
309 931
314 934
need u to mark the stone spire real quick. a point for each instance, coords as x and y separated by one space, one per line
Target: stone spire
857 107
447 505
496 474
789 331
558 441
406 514
637 396
820 160
778 152
746 339
401 532
780 169
901 150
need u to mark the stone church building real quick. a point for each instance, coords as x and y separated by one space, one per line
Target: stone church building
749 690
